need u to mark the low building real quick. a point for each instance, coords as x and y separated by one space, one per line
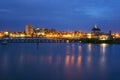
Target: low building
40 32
17 35
2 34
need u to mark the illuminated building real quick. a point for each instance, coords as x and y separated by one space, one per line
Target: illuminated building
14 34
2 34
53 34
6 34
78 34
89 35
103 37
17 35
29 30
95 30
39 32
97 34
116 35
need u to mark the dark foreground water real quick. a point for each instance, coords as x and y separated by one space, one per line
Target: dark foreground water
59 61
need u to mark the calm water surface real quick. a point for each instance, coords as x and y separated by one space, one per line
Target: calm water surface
59 61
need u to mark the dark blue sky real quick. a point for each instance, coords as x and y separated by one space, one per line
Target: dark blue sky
60 14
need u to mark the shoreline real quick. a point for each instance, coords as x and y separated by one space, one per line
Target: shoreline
51 40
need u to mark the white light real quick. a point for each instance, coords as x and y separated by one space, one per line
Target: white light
6 33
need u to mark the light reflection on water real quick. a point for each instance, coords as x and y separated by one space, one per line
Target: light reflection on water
89 57
103 49
69 61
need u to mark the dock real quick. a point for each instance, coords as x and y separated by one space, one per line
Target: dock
37 40
59 40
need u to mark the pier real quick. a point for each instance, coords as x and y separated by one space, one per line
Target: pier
37 40
59 40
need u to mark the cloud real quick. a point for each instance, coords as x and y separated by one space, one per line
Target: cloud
98 12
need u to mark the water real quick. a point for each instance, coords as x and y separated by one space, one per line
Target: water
59 61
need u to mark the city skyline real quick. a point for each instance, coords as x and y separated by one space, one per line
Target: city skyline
61 15
68 30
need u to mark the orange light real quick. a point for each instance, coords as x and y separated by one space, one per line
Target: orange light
89 35
6 33
103 37
67 60
67 41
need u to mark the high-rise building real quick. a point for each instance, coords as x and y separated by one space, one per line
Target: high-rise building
29 30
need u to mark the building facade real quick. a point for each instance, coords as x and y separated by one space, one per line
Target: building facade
29 30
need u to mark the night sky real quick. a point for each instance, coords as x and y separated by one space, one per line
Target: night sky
60 14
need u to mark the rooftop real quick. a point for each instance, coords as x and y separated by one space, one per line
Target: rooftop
95 28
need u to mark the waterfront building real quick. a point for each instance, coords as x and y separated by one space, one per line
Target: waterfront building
78 34
105 37
29 30
14 34
96 30
40 32
6 34
2 34
17 35
97 34
116 35
94 34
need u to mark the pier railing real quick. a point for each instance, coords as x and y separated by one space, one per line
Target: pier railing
37 40
57 40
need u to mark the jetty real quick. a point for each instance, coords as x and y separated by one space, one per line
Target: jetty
37 40
65 40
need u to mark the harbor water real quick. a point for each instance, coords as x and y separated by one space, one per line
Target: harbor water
59 61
